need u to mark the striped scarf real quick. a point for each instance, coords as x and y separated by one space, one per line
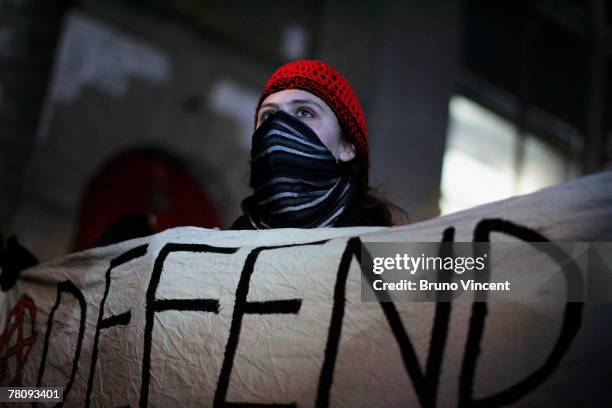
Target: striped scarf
296 180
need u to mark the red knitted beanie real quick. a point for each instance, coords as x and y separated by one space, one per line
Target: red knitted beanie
324 81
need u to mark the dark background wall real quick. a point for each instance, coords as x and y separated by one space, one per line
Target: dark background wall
85 82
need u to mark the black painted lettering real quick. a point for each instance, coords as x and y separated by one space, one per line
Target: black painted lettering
65 287
159 305
243 306
105 323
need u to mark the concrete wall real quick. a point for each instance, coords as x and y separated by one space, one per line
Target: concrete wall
28 33
414 78
174 100
190 87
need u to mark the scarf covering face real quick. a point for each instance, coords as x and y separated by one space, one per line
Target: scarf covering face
297 182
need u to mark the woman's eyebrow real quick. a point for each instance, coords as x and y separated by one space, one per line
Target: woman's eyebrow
269 104
298 101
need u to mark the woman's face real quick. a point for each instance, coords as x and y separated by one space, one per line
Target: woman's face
314 112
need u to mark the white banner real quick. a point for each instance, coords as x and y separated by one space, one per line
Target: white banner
195 317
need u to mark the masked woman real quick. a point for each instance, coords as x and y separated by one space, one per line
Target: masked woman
309 155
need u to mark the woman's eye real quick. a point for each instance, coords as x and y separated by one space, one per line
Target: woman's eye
305 113
265 115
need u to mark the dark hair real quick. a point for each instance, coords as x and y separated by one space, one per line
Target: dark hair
370 207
